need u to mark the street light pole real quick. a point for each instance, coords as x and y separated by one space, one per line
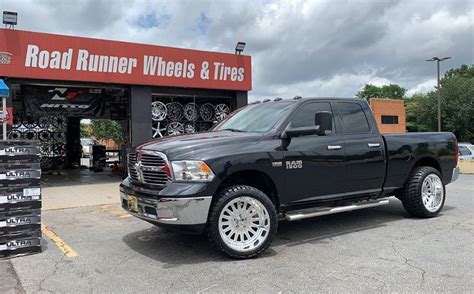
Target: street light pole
438 60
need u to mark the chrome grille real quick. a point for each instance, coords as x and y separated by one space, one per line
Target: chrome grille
148 170
132 166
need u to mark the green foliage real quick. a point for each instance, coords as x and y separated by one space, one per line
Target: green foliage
457 105
85 130
387 91
106 129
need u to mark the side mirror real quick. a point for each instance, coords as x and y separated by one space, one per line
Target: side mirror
323 120
302 131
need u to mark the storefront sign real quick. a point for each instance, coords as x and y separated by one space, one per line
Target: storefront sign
56 57
78 102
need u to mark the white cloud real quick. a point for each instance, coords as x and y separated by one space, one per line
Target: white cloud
422 88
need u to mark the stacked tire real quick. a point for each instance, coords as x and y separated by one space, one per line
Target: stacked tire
20 198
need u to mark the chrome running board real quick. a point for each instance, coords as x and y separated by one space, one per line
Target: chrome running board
312 212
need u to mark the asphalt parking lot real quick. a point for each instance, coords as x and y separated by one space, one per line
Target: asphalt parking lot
373 250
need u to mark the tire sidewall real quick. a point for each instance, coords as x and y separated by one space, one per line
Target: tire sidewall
225 197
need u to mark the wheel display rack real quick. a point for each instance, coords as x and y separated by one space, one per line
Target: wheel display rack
50 131
186 115
20 198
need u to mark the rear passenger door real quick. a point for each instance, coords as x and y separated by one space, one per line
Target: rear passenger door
364 149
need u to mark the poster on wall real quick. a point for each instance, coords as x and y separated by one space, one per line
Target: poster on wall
67 101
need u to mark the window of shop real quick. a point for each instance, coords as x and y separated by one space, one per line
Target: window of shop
186 114
389 119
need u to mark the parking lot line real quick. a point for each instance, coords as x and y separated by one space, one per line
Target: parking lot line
66 249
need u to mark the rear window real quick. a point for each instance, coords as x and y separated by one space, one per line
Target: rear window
464 151
354 120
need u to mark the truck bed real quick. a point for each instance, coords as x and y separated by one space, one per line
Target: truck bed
405 151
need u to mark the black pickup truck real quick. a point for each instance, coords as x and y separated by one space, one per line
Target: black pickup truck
284 159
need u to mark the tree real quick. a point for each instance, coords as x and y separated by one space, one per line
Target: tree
457 105
387 91
85 130
106 129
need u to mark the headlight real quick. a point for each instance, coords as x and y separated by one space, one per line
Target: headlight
191 170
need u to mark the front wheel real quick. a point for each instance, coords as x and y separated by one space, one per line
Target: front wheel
424 193
242 222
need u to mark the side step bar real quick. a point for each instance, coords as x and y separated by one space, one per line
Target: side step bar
311 212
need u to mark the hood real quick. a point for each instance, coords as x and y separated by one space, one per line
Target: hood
201 145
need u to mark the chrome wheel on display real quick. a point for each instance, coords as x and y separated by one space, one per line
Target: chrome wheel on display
29 135
190 112
59 136
158 129
175 128
46 149
206 111
174 111
29 122
44 135
58 122
158 111
43 122
59 149
222 111
244 224
189 128
432 192
14 135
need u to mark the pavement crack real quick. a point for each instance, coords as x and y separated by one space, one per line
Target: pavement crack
410 264
55 271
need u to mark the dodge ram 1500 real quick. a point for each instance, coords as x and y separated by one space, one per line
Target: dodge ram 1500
285 159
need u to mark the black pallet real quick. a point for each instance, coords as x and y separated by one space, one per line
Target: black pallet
19 151
22 177
20 184
20 247
21 232
20 208
19 195
18 219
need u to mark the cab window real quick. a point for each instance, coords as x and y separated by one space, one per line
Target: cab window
354 120
304 116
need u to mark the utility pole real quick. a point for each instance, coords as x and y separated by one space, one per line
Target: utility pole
438 60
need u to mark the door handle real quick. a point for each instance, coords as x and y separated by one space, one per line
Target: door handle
373 145
334 147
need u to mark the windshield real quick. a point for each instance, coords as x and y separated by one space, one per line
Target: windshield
255 118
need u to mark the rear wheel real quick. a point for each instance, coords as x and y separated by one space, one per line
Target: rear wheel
424 193
242 222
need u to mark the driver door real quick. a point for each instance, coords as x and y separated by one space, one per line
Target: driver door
314 165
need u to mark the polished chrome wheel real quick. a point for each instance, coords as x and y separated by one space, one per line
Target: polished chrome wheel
244 224
175 128
432 192
222 111
158 111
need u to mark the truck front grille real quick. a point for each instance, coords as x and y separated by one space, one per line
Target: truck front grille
147 168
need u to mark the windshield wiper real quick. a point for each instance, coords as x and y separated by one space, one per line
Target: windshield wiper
233 130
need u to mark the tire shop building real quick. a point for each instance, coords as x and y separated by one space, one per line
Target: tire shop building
153 91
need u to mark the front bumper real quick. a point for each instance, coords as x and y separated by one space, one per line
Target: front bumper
455 175
168 211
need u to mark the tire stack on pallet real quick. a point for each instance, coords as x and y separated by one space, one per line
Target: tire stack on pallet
20 198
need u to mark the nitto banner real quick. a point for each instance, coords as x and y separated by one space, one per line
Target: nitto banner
56 57
76 102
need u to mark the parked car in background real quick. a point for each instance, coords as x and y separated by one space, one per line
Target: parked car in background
87 144
466 151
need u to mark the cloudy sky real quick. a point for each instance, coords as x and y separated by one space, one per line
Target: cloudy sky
307 48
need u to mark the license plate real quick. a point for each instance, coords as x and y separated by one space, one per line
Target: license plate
133 203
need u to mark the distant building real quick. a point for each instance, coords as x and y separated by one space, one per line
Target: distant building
389 114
